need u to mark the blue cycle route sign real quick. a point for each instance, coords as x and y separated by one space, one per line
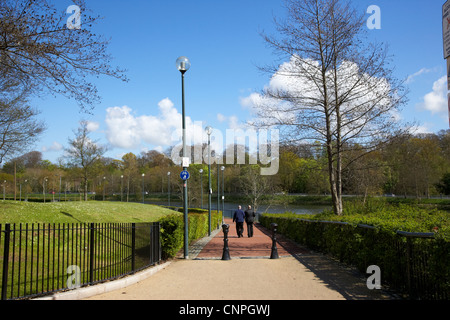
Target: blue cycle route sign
184 175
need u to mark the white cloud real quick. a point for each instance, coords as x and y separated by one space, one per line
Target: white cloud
436 100
221 117
233 121
56 146
416 74
127 130
299 107
421 129
92 126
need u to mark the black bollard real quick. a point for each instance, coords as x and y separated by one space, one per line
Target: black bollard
226 250
274 254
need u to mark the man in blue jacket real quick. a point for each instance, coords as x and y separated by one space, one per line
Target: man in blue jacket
239 217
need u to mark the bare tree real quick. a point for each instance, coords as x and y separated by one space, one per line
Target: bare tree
335 88
39 51
254 185
83 153
19 127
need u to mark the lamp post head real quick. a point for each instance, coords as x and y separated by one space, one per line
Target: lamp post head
201 170
222 168
168 173
208 130
183 64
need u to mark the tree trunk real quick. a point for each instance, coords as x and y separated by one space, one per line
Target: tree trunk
85 189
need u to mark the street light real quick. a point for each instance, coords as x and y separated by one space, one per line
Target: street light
209 130
4 186
59 188
223 192
121 187
45 180
168 185
218 187
183 64
104 178
201 185
143 192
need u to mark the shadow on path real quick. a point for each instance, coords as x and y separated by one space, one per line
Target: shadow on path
349 282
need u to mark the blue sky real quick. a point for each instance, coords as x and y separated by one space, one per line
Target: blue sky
221 38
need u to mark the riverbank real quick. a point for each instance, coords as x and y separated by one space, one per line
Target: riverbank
304 199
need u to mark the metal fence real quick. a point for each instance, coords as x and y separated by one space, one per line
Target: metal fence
39 259
423 266
414 265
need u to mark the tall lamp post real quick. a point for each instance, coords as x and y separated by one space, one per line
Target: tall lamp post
143 192
183 64
223 191
218 188
45 180
104 179
201 187
209 130
121 187
59 199
168 185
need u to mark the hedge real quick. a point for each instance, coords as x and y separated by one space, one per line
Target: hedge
172 229
362 246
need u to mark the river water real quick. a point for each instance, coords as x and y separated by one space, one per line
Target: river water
231 207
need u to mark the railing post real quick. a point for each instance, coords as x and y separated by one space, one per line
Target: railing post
159 241
274 253
5 261
226 250
408 267
133 247
91 253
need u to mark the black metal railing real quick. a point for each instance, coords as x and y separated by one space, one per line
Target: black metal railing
410 262
415 265
40 259
422 262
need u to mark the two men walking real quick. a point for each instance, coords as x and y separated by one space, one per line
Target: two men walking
240 217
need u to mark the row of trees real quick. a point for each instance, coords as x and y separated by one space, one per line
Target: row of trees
334 98
410 165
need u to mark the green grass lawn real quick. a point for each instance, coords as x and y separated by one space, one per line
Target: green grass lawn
79 212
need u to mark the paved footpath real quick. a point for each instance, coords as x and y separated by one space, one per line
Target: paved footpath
298 274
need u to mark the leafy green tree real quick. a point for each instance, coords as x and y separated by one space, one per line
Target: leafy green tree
443 186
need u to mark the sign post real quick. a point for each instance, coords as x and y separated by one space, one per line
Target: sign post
184 175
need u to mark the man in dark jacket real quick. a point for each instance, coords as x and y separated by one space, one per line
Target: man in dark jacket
249 219
239 217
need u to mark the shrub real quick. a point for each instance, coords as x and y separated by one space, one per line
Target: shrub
171 235
172 229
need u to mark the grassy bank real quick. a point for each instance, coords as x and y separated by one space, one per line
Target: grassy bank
79 212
